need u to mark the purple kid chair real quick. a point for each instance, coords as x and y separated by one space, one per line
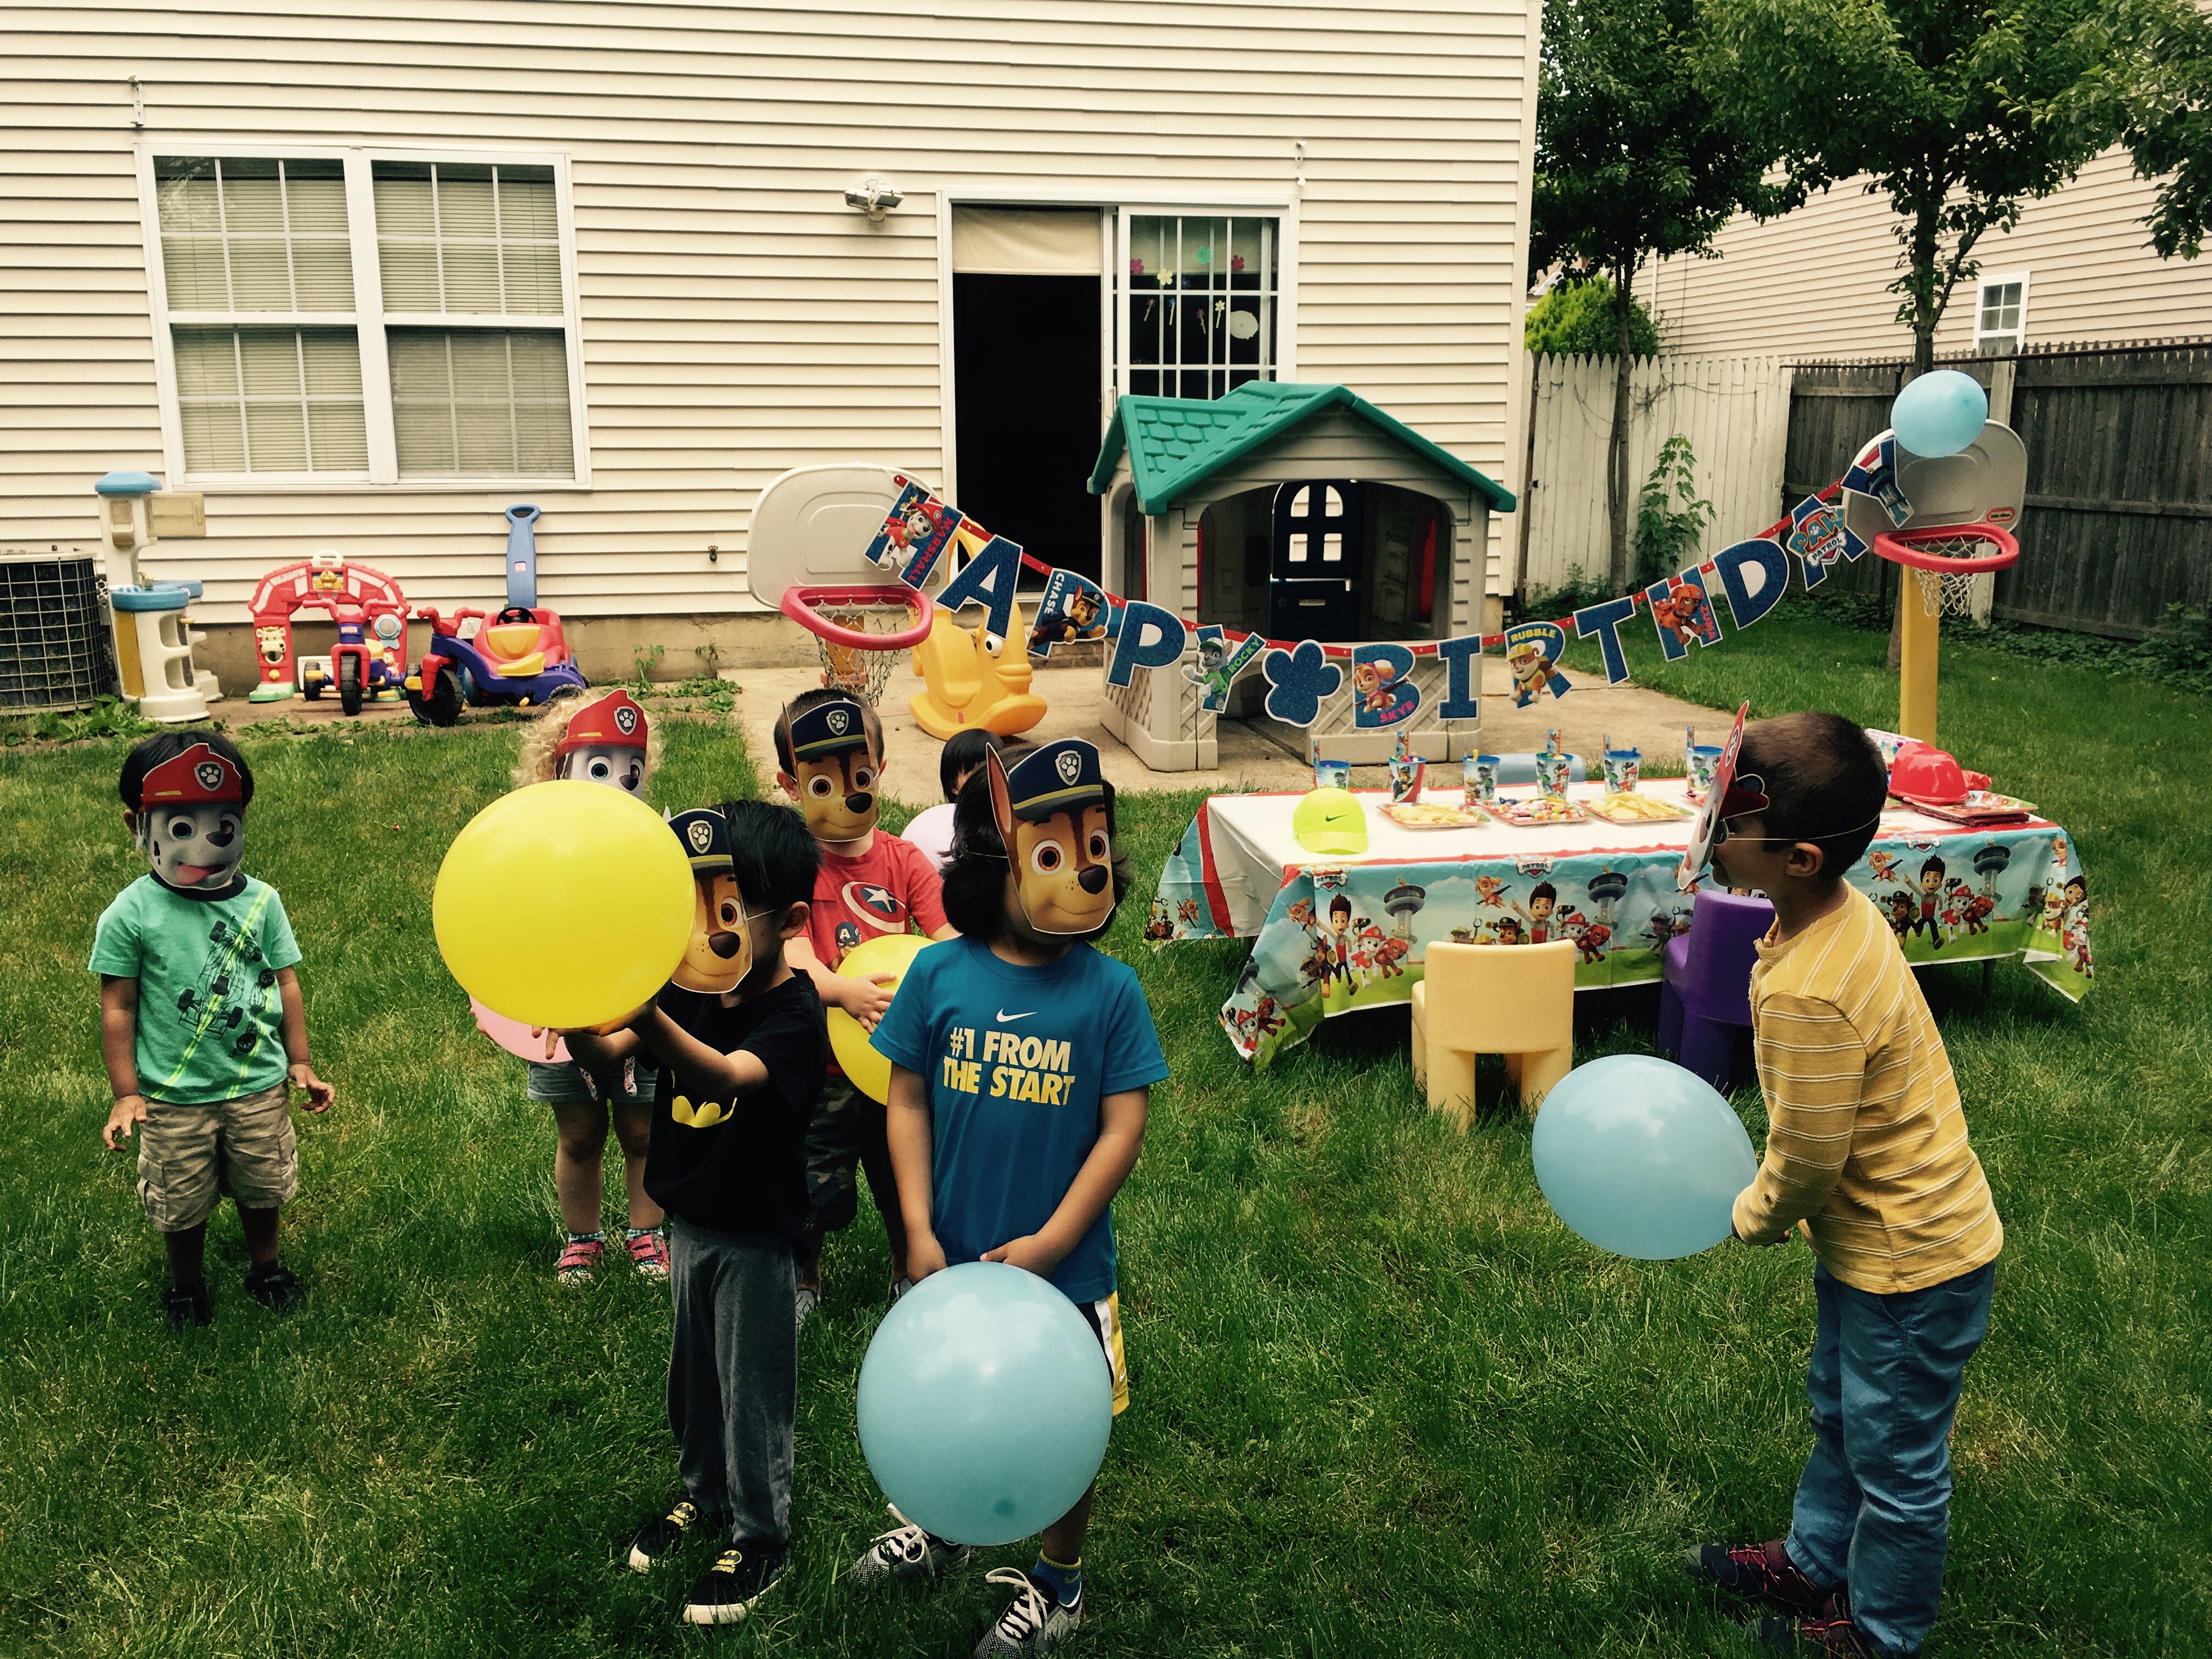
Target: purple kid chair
1704 991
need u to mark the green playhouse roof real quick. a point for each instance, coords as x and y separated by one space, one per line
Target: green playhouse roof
1176 444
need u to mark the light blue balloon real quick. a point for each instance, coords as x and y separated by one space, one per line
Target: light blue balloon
985 1404
1940 413
1641 1158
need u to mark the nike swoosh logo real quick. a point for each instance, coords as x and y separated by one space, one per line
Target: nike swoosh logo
1005 1018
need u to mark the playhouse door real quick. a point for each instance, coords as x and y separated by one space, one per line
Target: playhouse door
1313 587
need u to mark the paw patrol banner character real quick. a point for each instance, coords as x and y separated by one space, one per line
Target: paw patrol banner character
915 532
1073 609
1221 660
837 769
191 821
1052 814
720 954
1532 649
1382 689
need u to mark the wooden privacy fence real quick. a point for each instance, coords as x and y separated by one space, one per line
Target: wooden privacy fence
2118 517
1734 410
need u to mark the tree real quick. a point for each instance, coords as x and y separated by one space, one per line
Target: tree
1634 161
1962 112
1575 320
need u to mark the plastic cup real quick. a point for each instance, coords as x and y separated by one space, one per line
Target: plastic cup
1553 771
1622 769
1332 774
1481 774
1703 758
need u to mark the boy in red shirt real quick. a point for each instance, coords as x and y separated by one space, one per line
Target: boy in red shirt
829 758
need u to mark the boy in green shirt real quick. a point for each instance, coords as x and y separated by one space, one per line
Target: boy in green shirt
199 1014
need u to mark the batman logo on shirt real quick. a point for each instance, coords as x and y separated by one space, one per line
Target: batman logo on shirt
705 1115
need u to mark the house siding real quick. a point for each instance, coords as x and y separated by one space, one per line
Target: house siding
736 318
1813 283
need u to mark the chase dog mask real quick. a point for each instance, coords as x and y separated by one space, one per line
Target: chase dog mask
192 820
718 954
1051 812
835 766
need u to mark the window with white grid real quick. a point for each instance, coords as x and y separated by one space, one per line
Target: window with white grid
395 318
1199 295
2001 316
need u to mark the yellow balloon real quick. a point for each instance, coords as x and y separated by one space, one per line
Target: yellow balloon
564 904
868 1070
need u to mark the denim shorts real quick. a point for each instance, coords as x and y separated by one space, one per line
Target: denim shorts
565 1083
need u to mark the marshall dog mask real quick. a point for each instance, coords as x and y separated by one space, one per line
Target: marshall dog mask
605 743
191 821
1050 808
834 767
720 954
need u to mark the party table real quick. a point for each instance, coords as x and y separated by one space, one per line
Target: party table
1336 935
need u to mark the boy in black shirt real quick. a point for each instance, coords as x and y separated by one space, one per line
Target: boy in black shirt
739 1071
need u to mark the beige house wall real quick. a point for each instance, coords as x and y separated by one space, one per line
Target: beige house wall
1813 283
736 317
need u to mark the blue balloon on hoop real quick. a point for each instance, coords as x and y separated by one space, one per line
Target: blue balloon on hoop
1940 413
1641 1158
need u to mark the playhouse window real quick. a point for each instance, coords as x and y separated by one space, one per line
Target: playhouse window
1199 295
400 318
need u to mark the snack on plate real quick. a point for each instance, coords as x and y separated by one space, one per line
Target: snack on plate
1538 809
1433 815
1637 809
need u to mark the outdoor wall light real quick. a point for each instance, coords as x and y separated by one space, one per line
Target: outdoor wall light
874 196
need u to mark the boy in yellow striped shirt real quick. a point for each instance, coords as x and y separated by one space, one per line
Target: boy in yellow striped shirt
1867 1155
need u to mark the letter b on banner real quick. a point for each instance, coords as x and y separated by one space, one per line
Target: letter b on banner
1134 650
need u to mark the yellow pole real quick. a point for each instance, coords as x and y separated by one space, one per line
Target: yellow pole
1916 673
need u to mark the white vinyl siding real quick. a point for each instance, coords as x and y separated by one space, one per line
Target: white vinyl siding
730 316
1813 283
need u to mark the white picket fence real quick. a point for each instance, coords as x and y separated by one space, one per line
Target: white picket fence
1734 410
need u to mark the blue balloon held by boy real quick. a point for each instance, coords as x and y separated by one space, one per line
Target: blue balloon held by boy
984 1404
1941 413
1641 1158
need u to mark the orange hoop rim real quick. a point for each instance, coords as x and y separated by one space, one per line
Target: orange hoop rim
802 605
1902 547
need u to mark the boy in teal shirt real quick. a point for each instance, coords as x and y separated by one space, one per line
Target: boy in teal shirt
201 1023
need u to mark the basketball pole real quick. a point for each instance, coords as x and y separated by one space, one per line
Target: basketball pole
1917 634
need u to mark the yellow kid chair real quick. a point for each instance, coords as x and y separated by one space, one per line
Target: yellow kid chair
1517 1001
968 684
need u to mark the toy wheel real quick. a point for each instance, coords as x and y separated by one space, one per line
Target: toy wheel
311 687
441 705
349 686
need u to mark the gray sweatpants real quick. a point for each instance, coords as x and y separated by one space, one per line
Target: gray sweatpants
733 1376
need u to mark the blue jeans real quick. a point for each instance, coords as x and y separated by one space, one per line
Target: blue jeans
1873 1505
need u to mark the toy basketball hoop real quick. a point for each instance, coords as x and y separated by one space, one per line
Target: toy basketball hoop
1946 558
860 629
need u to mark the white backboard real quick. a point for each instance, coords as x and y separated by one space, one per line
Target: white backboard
812 525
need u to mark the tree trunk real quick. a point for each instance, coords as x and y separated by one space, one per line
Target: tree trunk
1616 454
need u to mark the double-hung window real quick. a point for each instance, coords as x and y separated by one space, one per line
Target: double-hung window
353 316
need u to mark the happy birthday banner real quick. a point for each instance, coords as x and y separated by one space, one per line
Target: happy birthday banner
1302 675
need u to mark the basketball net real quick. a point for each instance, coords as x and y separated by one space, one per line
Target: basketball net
1948 593
858 670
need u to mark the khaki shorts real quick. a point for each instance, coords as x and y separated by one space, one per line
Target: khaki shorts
189 1156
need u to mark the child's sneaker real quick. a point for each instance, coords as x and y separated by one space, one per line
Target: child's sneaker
739 1577
907 1552
1821 1638
273 1286
186 1304
662 1536
1034 1623
804 1301
579 1259
1758 1572
648 1252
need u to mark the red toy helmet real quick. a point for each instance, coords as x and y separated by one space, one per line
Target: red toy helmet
1922 772
613 722
199 777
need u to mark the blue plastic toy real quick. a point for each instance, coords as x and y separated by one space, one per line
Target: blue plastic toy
984 1404
1641 1158
1939 413
520 656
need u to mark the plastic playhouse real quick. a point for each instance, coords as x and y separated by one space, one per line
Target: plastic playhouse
359 601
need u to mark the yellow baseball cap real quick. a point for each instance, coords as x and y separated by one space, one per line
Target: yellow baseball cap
1330 821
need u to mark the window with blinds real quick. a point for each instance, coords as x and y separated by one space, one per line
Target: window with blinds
276 294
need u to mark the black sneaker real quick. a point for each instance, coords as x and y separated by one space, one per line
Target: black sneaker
186 1304
738 1578
1759 1572
273 1286
1831 1638
662 1536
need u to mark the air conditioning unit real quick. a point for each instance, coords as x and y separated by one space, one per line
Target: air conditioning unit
56 647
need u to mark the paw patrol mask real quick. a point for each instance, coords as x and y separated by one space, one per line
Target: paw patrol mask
190 823
720 954
605 743
836 770
1051 812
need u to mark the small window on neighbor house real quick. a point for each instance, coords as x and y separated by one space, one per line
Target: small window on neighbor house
2000 320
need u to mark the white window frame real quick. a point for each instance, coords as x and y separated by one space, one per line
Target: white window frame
1113 206
1983 284
1120 368
369 318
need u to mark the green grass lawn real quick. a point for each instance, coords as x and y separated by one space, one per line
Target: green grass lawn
1383 1402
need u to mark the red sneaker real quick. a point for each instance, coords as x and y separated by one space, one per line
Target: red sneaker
1759 1572
1821 1638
